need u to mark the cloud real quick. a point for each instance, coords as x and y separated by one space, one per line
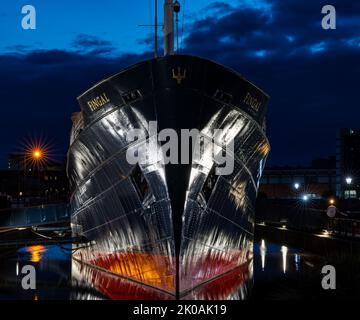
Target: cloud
39 89
269 27
218 8
91 44
311 74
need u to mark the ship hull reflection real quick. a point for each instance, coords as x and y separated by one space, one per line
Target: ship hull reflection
233 285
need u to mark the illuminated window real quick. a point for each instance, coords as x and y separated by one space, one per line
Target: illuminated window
350 194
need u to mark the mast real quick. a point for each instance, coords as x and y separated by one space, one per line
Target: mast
156 30
176 7
168 28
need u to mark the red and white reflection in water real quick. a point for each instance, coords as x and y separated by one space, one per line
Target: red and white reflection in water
116 277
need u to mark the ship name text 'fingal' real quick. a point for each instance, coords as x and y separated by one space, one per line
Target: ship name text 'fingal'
252 102
98 102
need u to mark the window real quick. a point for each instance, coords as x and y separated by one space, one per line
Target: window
140 182
312 179
286 180
323 179
311 196
350 194
299 179
210 184
273 179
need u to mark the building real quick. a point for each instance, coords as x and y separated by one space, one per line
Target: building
317 181
348 164
16 161
31 185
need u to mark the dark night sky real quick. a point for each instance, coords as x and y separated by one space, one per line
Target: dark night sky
311 74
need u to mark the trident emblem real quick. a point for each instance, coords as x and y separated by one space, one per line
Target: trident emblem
178 77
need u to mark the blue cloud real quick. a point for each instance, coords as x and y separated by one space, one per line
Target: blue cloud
261 53
318 47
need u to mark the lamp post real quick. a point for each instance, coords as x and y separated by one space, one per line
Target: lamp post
38 155
348 181
35 156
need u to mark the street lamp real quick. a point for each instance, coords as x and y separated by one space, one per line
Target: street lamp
296 186
34 159
347 191
37 154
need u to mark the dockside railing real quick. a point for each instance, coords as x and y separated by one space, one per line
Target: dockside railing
307 219
34 216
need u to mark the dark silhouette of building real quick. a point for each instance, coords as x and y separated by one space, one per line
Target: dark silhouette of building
317 181
30 185
348 164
